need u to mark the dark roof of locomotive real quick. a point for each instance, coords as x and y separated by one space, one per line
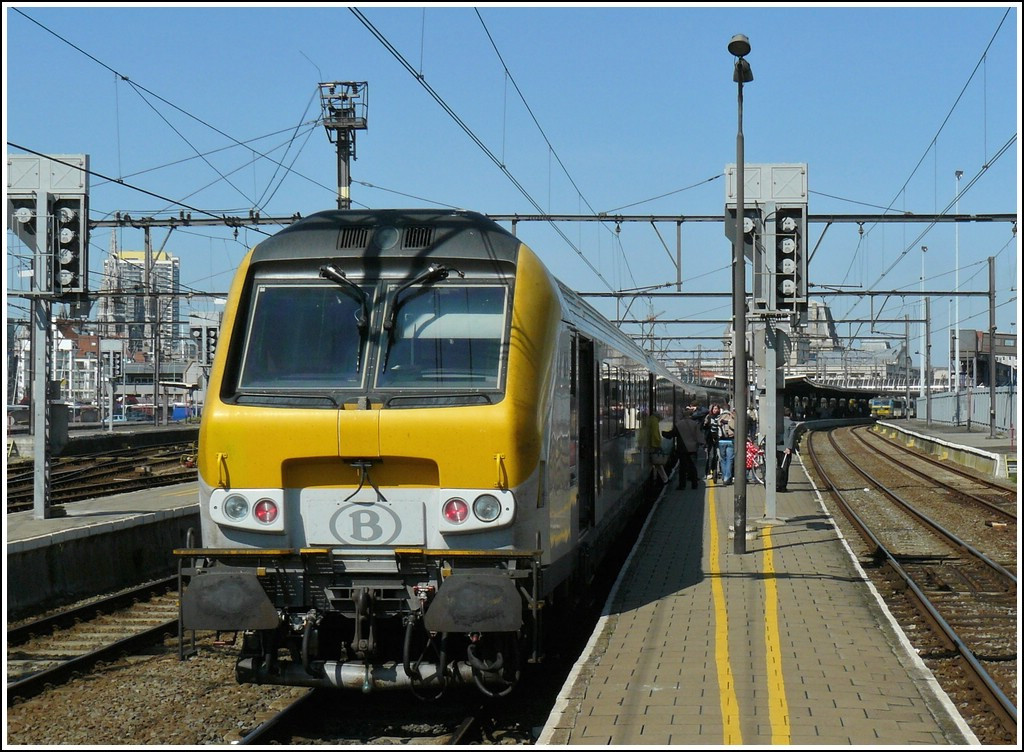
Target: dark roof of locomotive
364 234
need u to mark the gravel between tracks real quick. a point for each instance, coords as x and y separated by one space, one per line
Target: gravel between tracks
155 699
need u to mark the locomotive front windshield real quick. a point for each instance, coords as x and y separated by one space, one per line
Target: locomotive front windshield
303 336
442 336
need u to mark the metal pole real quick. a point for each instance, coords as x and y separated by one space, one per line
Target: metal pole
344 178
739 46
956 304
110 398
949 344
679 256
771 415
991 347
906 354
928 359
41 349
924 328
157 391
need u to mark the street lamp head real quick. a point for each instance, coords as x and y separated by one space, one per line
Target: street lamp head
739 45
959 174
741 73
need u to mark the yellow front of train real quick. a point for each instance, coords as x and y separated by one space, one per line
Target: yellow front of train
370 453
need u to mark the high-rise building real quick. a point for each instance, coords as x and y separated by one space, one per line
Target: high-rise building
142 306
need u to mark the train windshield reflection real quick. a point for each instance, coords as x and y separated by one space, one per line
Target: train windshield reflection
303 336
448 337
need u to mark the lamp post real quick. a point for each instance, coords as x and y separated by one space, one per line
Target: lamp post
739 47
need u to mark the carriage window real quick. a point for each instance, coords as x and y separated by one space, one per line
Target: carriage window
303 336
445 336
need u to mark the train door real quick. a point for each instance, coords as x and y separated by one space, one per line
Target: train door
586 428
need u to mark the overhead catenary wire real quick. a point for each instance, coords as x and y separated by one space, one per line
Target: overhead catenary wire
930 148
473 137
551 147
140 88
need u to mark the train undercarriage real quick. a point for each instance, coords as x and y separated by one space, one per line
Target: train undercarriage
438 622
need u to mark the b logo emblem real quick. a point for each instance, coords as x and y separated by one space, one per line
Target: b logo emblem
366 524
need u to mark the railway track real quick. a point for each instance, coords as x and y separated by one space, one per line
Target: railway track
88 476
996 496
314 719
444 729
51 650
977 511
946 574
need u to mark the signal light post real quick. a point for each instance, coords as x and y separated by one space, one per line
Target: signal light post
47 209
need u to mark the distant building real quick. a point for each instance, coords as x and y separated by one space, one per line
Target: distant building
129 313
974 357
818 336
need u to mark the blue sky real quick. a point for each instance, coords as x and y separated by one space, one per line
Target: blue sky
606 108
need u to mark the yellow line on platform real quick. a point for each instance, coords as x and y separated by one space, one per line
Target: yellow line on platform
726 684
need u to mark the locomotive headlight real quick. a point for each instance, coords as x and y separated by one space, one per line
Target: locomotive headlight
475 510
235 507
258 510
265 511
486 508
455 510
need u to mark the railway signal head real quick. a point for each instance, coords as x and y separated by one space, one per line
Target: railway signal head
791 259
210 348
70 245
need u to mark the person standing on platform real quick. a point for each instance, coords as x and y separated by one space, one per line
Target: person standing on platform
651 438
711 433
784 455
752 423
726 443
687 437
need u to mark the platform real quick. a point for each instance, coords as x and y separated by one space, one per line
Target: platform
101 545
786 642
973 447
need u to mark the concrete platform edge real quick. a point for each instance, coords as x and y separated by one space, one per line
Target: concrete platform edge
554 731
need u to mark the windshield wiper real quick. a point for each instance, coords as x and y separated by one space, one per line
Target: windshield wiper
433 273
333 273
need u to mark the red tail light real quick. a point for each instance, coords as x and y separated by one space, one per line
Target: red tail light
265 511
456 510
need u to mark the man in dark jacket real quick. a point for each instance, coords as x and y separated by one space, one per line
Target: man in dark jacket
784 449
687 437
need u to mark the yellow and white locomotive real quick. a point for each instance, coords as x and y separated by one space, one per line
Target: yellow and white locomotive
414 439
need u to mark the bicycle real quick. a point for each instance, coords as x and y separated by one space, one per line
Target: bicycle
755 460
